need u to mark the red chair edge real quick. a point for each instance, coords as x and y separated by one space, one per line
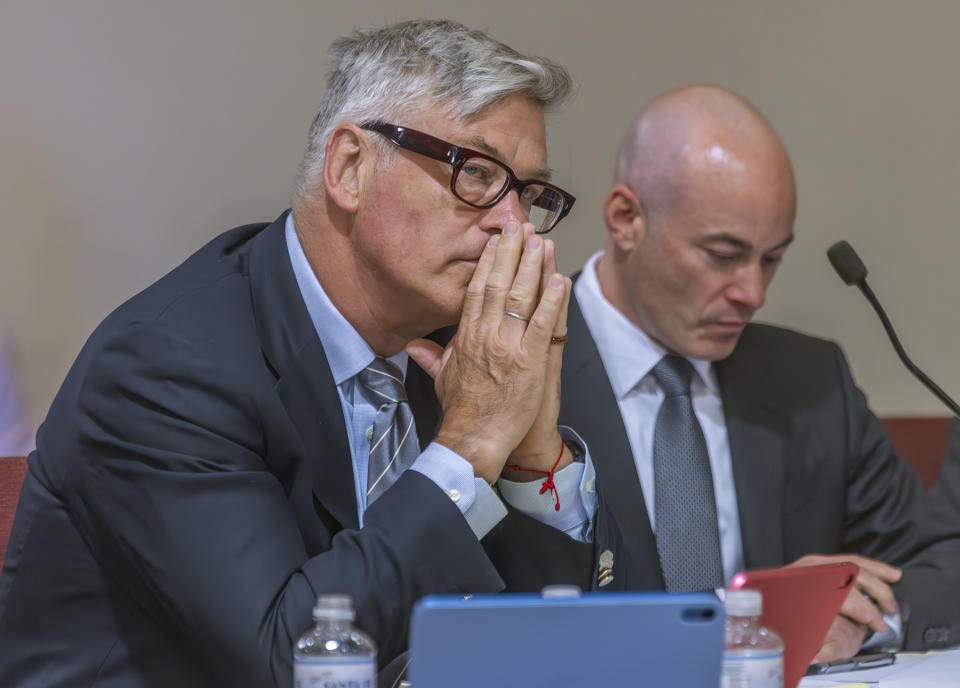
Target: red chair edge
12 471
921 441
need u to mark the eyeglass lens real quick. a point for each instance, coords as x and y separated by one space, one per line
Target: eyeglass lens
479 181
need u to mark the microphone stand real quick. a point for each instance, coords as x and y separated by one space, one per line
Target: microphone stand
930 384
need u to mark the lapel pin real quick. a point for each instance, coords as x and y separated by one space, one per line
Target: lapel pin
605 572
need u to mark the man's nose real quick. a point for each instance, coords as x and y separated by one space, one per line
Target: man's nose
507 208
750 287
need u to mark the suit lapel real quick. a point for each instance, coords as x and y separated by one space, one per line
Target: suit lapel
590 407
756 432
305 385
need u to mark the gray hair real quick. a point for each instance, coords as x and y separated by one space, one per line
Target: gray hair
379 74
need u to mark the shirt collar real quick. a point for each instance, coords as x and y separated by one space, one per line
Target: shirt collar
347 352
628 353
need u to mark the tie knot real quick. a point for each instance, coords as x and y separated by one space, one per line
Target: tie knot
673 373
384 379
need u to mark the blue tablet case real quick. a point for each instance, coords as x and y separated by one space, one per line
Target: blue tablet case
595 639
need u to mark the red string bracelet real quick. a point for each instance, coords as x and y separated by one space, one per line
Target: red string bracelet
548 484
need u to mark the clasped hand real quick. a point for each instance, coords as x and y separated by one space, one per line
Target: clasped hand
498 380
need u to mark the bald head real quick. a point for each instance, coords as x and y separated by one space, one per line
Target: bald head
690 135
699 217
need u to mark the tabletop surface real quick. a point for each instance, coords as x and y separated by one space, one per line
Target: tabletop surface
911 670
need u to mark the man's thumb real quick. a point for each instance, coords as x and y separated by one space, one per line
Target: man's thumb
428 355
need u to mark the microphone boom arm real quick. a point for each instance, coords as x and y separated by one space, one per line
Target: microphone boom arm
930 384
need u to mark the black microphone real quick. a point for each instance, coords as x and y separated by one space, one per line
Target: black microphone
852 271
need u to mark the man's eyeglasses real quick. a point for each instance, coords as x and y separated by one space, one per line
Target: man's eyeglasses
480 180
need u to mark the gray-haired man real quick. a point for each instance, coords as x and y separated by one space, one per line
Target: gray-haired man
234 440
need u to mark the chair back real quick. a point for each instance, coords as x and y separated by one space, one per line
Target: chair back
12 471
921 441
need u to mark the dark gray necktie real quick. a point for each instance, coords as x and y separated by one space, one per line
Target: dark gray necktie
393 443
688 539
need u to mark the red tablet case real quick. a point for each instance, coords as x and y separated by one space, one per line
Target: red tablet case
799 603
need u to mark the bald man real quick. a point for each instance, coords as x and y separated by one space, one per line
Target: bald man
722 445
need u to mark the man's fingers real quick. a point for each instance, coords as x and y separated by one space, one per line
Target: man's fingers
873 580
884 572
550 267
555 354
879 591
502 274
843 640
473 301
549 263
555 357
560 329
522 296
871 596
427 354
541 326
861 609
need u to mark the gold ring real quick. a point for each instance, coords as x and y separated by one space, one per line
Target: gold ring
559 339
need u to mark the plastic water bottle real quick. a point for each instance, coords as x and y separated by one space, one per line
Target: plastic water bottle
334 653
752 654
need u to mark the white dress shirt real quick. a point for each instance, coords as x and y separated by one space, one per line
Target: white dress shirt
628 355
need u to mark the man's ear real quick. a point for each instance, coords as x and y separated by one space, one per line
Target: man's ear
348 157
624 217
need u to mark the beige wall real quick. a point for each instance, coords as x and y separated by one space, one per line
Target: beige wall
132 131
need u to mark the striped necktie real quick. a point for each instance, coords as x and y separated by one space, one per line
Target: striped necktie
393 444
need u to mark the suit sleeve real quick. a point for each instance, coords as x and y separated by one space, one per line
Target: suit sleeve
531 554
945 493
891 517
174 498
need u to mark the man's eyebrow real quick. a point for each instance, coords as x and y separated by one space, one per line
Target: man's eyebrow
541 173
783 244
729 239
743 245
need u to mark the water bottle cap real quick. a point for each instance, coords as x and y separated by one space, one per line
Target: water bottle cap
560 592
334 607
743 603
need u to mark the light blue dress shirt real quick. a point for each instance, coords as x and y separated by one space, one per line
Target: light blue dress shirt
348 354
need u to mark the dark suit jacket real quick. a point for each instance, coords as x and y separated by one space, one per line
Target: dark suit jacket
192 493
946 491
814 471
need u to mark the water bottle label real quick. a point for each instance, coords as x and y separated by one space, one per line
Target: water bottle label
753 672
316 673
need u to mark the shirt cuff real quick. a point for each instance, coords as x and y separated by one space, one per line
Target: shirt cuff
575 486
487 509
888 640
453 474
